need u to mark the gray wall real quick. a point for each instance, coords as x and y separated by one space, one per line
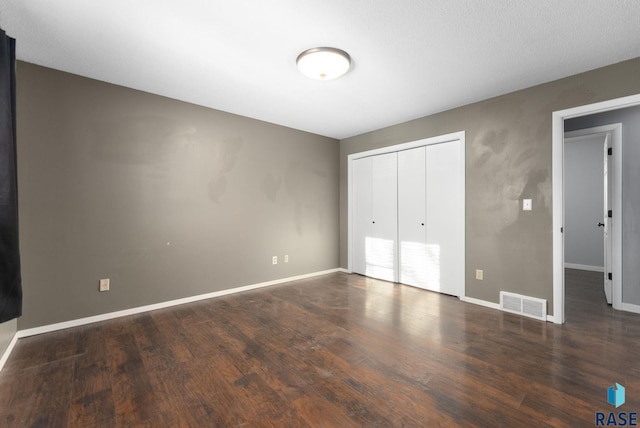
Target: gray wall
165 198
630 119
508 158
584 202
7 331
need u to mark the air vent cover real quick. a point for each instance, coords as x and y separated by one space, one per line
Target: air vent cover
523 305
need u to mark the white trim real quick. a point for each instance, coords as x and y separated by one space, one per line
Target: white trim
111 315
343 270
480 302
349 214
557 173
630 307
584 267
7 351
551 318
463 190
557 143
454 136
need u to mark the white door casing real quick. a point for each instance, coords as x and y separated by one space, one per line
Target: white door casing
558 141
606 221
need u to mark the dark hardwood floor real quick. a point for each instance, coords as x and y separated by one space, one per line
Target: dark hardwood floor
339 350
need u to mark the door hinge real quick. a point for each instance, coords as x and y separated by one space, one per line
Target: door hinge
609 151
610 213
562 230
610 276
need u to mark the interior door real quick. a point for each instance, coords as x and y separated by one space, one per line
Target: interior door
375 222
445 217
412 237
381 247
362 212
606 222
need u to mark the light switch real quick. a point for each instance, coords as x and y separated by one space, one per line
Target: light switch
526 205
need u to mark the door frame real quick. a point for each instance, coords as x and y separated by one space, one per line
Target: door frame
615 185
557 143
460 135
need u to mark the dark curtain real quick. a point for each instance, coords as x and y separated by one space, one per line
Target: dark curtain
10 278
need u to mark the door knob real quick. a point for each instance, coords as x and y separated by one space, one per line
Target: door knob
600 224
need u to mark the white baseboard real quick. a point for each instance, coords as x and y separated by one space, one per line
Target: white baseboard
111 315
480 302
7 351
630 307
343 270
584 267
551 318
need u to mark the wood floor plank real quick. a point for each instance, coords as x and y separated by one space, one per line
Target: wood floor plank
133 397
92 397
53 398
338 350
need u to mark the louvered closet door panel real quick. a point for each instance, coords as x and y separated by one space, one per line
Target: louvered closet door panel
362 212
412 249
445 218
382 248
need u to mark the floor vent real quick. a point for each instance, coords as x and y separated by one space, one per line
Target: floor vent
523 305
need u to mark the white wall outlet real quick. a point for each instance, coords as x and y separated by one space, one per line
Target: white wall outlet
104 284
526 205
286 258
274 260
479 274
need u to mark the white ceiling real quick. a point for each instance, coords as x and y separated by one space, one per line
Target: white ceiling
411 58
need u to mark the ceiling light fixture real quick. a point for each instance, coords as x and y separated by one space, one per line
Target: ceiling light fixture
323 63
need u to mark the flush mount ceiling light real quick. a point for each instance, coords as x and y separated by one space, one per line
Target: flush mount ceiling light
323 63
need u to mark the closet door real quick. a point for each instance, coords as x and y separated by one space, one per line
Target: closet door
362 212
375 222
412 236
445 218
382 248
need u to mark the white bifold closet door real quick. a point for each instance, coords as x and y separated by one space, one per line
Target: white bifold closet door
412 216
408 217
445 218
431 217
375 214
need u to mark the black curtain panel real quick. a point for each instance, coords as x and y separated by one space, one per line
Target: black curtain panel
10 278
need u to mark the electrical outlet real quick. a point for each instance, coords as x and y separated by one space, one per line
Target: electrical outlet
527 205
286 258
479 274
274 260
104 284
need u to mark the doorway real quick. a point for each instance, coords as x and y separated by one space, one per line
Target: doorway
558 128
592 187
